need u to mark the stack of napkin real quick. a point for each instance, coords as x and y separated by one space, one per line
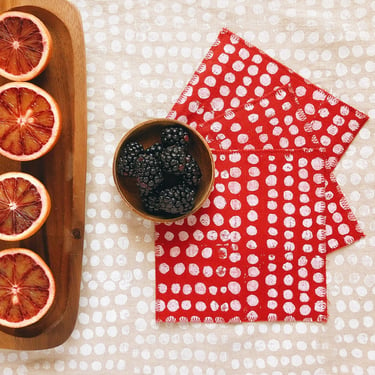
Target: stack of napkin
256 250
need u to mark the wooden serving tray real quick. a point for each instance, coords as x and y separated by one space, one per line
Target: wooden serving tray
62 170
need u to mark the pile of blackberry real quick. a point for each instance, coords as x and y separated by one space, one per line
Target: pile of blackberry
166 174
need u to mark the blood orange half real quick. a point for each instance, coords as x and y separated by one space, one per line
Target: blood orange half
30 121
25 46
27 287
24 205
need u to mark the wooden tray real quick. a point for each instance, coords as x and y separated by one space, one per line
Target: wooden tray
63 171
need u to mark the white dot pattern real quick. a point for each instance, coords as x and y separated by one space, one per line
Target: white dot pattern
140 54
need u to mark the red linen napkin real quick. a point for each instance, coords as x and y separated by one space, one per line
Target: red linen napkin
256 250
234 72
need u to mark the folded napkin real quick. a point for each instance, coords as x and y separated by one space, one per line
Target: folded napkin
235 72
256 249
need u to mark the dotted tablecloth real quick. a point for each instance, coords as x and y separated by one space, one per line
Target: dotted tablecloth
140 55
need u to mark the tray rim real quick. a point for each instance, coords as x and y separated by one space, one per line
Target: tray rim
58 332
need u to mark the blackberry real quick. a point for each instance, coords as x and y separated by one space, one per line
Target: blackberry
128 155
177 200
151 203
173 159
174 135
154 149
192 173
149 174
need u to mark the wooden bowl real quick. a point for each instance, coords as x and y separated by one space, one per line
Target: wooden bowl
147 133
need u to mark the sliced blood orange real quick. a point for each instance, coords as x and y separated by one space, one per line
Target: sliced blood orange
27 287
24 205
30 121
25 46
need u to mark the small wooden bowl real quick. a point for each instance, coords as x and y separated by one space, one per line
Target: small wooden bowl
147 133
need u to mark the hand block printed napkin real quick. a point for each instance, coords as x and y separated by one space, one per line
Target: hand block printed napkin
256 250
235 72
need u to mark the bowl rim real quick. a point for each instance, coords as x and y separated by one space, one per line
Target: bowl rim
207 192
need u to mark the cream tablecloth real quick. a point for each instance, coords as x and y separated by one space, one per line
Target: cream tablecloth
140 54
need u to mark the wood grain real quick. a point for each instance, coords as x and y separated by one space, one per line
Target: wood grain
62 170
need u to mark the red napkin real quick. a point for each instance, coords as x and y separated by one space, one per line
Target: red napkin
256 250
235 72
